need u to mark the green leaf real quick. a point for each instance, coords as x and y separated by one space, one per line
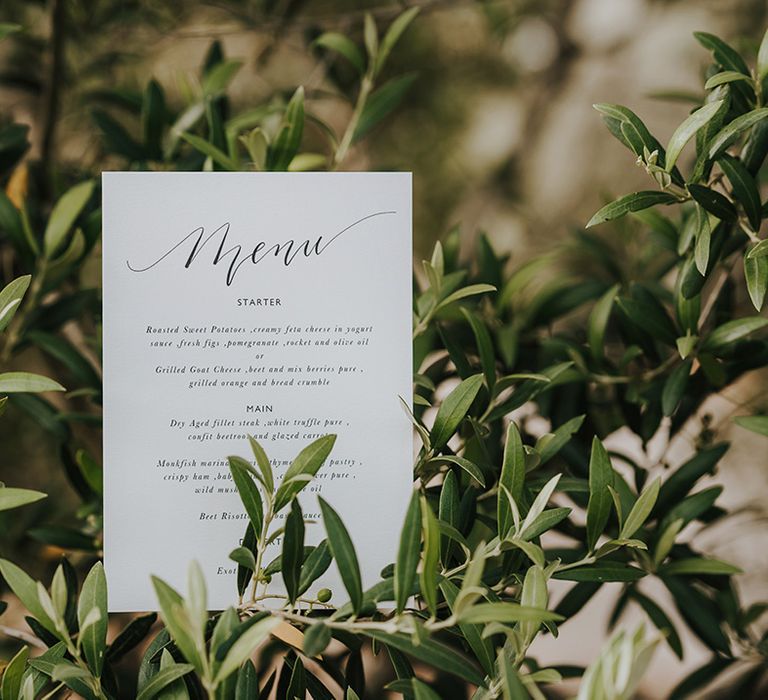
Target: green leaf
762 58
316 638
371 37
686 344
163 679
395 31
382 102
726 56
10 298
333 41
421 691
484 347
453 410
601 573
724 77
288 140
244 557
468 291
757 424
687 130
551 443
243 643
132 634
307 463
682 479
431 557
177 622
512 478
470 467
431 652
343 552
674 387
714 202
630 203
13 673
546 520
662 622
744 188
247 682
507 612
640 511
64 213
703 243
22 382
314 566
14 498
703 616
730 332
760 250
408 553
481 648
698 566
293 551
25 590
728 134
756 274
211 151
93 640
699 678
598 322
218 77
512 687
262 461
153 119
248 491
601 476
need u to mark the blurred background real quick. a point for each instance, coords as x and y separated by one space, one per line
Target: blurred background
497 127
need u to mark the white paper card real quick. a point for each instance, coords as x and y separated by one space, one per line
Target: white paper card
270 304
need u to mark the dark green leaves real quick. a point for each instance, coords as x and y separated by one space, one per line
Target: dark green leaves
714 202
10 299
333 41
728 134
635 201
433 653
744 188
408 553
64 214
453 410
288 140
293 551
249 492
305 466
674 387
92 618
601 477
733 331
688 129
343 552
511 479
431 558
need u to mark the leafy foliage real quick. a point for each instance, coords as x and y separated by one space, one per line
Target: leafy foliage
521 377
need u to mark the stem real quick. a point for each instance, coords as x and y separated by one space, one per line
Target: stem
51 101
261 546
346 141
